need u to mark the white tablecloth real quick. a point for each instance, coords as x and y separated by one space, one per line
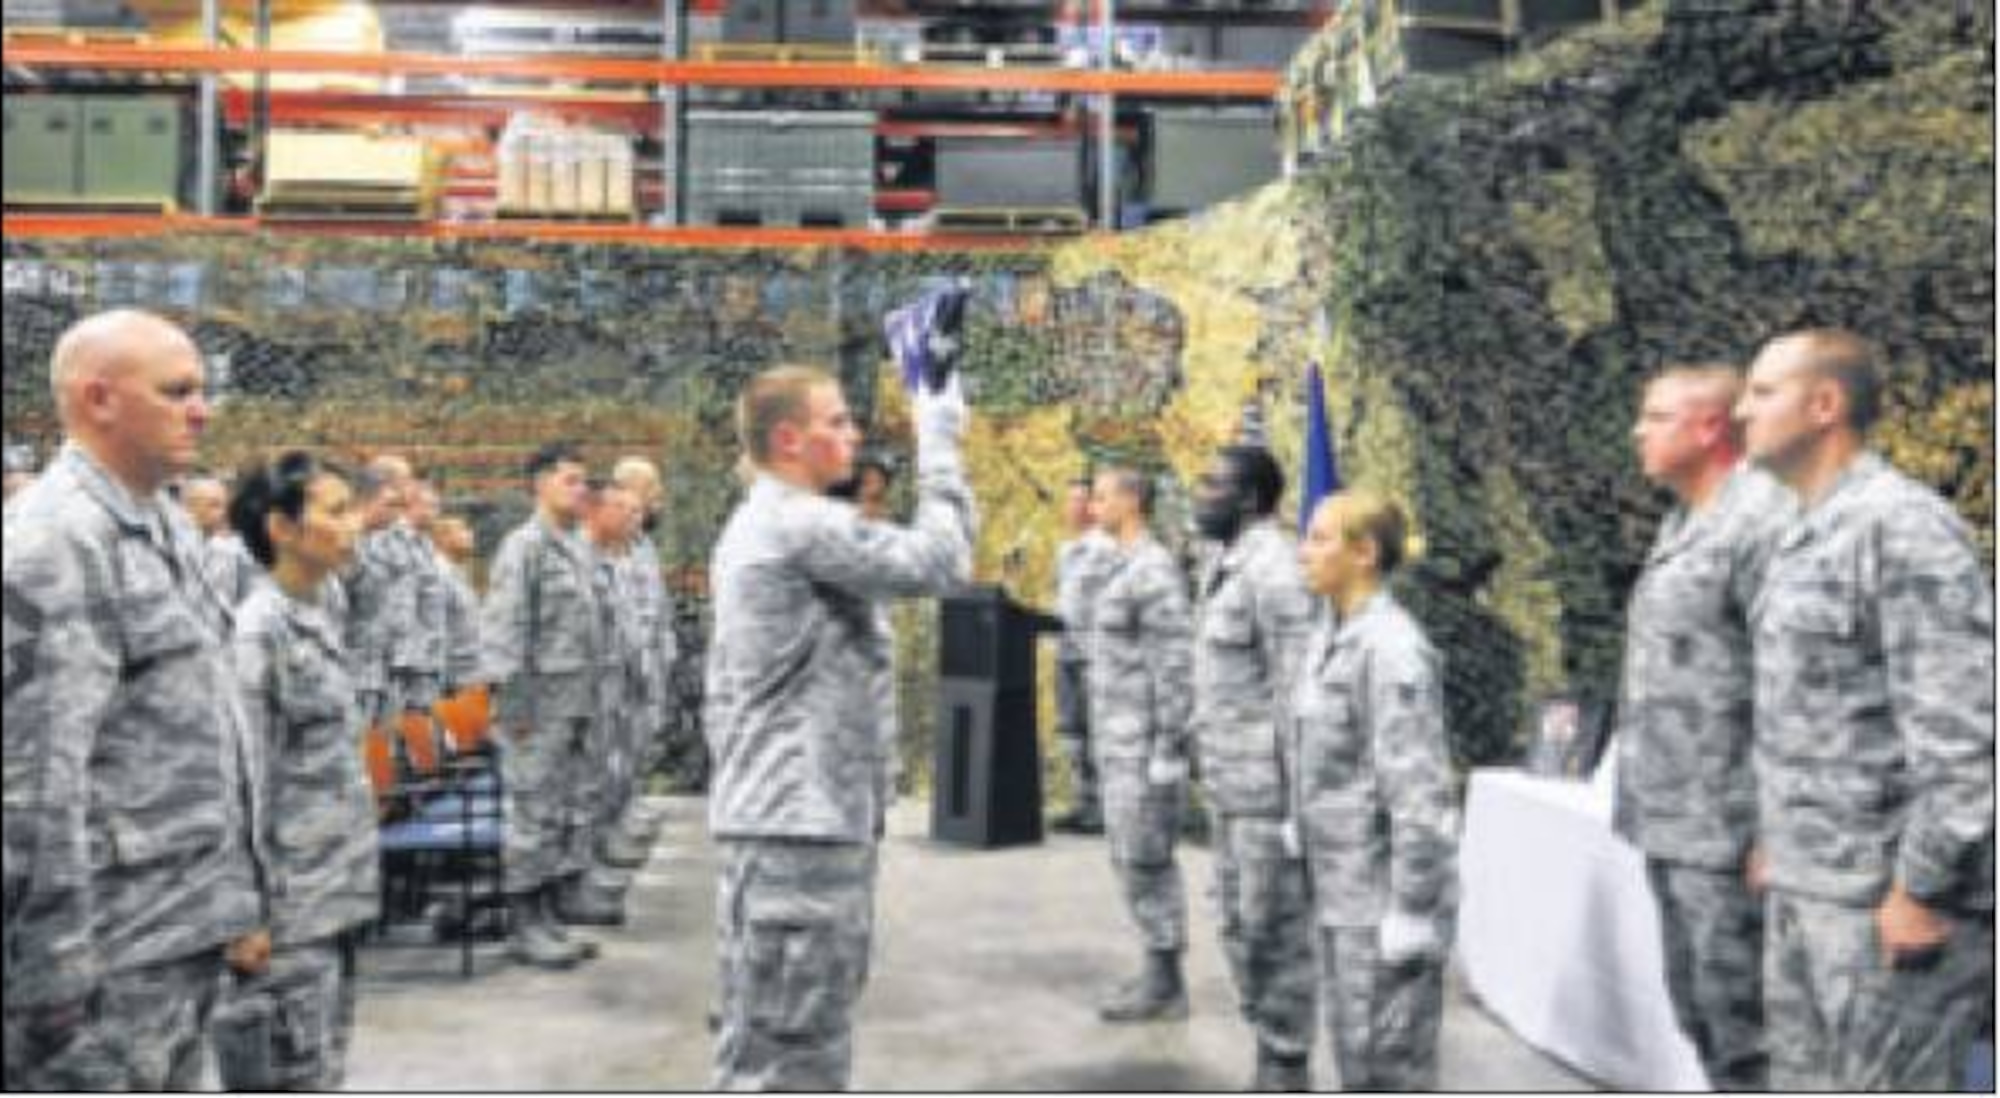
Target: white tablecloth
1558 935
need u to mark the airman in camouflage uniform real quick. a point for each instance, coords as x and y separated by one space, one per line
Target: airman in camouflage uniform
1686 795
288 1028
130 815
1081 565
230 570
645 585
452 542
541 637
1141 692
792 722
1254 618
1874 753
598 897
413 644
371 595
1377 816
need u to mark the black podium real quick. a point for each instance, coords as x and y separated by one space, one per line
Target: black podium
987 774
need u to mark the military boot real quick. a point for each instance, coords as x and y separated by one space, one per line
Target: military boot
1278 1074
549 908
1157 995
531 941
585 904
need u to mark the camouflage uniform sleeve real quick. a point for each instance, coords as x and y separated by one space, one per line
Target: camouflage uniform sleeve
62 673
1937 638
881 560
1413 770
1168 631
1284 621
253 665
503 620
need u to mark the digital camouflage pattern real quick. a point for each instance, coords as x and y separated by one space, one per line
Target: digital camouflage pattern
130 813
232 571
1141 693
461 626
1712 943
1378 821
1686 792
540 639
1254 618
797 662
1841 1020
416 647
793 922
1082 564
289 1027
320 826
1874 760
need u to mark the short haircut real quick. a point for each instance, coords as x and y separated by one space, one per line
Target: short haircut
551 454
1851 362
1718 384
632 466
778 395
1260 473
1134 483
277 487
1366 514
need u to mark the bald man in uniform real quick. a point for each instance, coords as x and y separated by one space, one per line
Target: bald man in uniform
131 871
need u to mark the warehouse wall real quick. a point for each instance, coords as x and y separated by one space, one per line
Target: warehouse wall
1488 272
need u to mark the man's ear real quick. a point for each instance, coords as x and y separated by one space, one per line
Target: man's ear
1826 403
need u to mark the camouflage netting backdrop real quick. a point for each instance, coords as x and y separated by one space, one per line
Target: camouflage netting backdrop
1488 270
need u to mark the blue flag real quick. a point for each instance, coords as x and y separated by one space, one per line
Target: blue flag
1322 476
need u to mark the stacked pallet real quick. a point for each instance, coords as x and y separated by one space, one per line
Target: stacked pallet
345 176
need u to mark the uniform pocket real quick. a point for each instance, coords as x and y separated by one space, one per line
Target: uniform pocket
798 979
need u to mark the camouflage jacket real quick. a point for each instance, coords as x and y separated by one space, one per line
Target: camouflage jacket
375 608
797 659
319 830
130 815
461 625
1254 619
418 647
1376 811
1685 789
232 571
539 629
1082 565
646 586
1141 651
622 658
1874 652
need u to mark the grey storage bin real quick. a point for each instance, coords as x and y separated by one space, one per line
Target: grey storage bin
780 167
1259 46
982 172
1198 158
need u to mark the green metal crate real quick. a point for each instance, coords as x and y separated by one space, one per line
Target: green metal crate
41 147
132 150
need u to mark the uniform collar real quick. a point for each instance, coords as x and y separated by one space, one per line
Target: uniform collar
1684 525
310 617
1813 520
131 512
1348 629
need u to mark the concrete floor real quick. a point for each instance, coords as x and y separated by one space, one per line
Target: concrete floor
987 966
